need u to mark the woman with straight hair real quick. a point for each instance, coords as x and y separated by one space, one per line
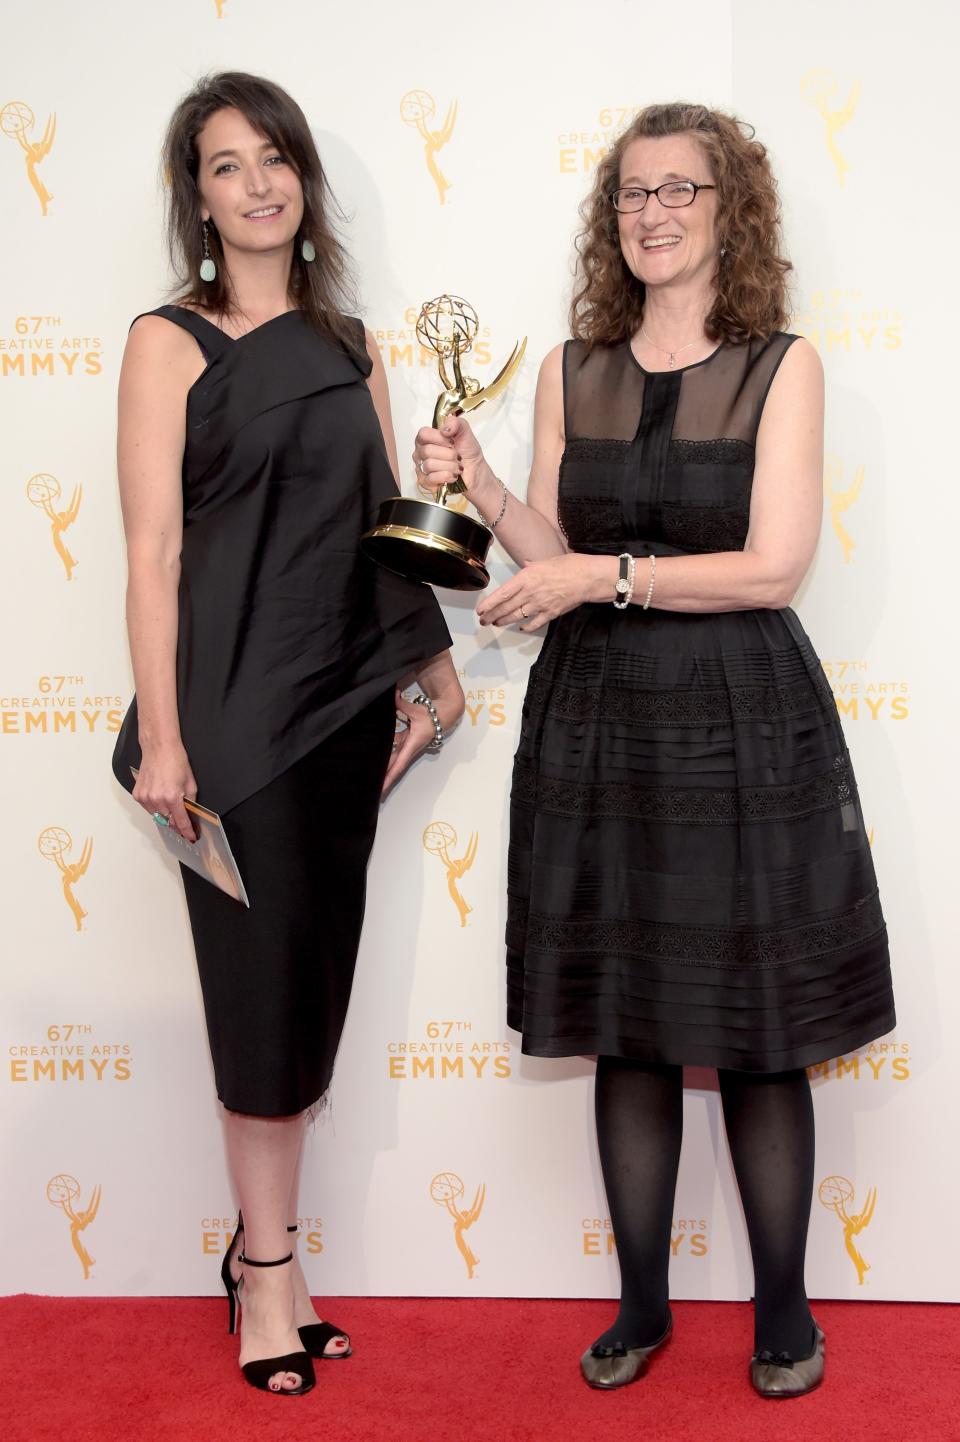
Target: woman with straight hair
690 879
255 445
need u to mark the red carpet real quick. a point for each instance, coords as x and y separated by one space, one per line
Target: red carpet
465 1371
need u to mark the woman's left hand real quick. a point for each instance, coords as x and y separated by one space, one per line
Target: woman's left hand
542 591
410 743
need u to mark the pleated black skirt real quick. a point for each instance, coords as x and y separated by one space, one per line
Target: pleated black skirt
276 979
690 879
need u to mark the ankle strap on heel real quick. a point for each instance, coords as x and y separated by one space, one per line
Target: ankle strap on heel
293 1229
249 1262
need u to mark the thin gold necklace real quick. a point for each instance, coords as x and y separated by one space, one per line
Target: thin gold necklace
671 353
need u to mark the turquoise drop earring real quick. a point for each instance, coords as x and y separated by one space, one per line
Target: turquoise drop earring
308 250
208 268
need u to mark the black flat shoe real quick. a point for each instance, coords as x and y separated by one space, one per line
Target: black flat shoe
316 1335
609 1367
776 1374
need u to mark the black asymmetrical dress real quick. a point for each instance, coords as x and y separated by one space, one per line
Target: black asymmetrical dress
690 879
289 646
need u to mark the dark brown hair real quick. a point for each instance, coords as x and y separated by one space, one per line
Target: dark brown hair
323 288
751 290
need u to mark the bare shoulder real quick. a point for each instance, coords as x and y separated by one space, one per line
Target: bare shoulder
801 366
161 352
795 398
154 340
549 401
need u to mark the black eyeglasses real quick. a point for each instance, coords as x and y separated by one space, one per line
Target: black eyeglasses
672 193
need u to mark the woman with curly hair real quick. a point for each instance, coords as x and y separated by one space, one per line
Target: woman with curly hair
690 879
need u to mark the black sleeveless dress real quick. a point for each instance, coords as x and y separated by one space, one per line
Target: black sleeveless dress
690 880
289 645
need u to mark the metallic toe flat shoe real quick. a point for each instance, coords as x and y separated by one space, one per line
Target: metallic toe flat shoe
609 1367
776 1374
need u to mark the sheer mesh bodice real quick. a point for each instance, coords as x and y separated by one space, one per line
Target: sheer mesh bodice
662 458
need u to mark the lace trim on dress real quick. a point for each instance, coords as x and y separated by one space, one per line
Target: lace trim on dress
587 450
710 453
723 452
714 806
759 949
671 708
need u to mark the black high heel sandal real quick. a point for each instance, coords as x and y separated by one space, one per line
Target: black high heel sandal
316 1335
258 1374
226 1278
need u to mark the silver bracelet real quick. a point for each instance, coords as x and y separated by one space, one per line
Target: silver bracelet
653 577
503 506
438 738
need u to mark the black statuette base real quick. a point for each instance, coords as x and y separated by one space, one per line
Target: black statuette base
429 543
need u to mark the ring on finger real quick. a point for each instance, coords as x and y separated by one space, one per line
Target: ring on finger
161 819
422 470
523 612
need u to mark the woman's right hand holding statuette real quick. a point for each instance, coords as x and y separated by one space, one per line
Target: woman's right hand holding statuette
453 453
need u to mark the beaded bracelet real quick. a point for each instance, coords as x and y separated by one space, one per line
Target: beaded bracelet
438 738
653 577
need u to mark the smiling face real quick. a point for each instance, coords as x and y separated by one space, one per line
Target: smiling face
664 246
247 187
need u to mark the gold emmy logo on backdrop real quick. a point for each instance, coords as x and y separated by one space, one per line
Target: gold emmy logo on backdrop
416 108
841 500
16 119
445 1189
688 1237
42 491
881 1060
62 1192
53 842
438 837
582 150
834 1194
819 88
220 4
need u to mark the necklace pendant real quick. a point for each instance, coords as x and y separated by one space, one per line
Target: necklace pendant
673 359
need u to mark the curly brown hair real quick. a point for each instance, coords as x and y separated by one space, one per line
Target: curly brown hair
750 281
322 289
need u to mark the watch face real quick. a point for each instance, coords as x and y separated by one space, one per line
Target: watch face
622 586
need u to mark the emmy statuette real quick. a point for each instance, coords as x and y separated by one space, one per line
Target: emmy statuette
425 540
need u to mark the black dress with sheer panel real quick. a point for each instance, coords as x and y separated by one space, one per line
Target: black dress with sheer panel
289 645
690 879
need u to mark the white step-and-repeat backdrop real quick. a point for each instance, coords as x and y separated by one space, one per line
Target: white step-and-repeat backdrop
460 148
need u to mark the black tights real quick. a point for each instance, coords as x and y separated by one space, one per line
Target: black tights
769 1123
